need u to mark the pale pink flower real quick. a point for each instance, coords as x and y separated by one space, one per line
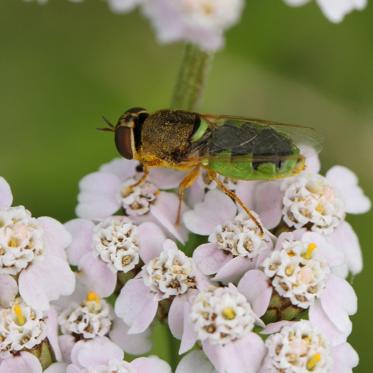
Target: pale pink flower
195 361
86 316
116 245
102 355
104 192
222 320
306 346
33 251
168 274
301 270
334 10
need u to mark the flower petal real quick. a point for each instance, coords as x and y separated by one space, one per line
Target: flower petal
52 333
242 356
344 358
346 240
56 237
321 321
25 362
268 203
195 362
66 342
122 168
8 290
216 209
347 184
96 275
335 10
46 280
151 364
6 197
135 344
136 305
99 196
165 178
209 258
255 287
99 351
81 231
234 269
56 368
176 316
189 337
165 211
151 241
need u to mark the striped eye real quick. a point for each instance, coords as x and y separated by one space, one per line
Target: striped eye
123 141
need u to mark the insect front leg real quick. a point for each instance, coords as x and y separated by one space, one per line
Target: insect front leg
142 178
213 176
186 183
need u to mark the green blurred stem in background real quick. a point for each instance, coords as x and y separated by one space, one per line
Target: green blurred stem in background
187 95
192 78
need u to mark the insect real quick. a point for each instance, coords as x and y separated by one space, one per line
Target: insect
235 147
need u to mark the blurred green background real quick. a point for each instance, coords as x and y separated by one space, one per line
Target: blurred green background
64 65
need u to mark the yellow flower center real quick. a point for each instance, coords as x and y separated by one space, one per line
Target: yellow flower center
20 318
229 313
310 249
312 362
93 297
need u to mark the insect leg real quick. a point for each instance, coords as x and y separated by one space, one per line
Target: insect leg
186 183
214 177
142 178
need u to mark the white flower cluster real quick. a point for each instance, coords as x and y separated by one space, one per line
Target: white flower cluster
90 319
21 240
170 274
241 237
311 201
296 274
116 243
21 328
222 315
299 348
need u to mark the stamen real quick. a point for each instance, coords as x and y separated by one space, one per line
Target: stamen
312 362
17 309
310 249
93 297
229 313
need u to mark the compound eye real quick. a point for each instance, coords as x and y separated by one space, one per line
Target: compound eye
123 141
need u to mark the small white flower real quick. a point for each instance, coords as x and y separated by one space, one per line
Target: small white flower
335 10
21 328
296 274
222 315
136 201
240 237
21 240
170 274
90 319
298 348
311 201
113 366
116 243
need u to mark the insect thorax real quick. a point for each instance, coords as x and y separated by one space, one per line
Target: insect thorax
166 134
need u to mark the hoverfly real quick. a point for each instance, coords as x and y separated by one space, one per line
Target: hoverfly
235 147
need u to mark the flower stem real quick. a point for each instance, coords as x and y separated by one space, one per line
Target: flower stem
192 78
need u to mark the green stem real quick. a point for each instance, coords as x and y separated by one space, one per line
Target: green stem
192 78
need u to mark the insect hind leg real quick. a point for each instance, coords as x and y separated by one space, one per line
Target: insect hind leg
186 183
214 177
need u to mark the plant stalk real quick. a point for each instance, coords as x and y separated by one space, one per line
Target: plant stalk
191 80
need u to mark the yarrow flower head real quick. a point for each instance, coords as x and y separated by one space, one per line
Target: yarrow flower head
21 328
222 315
92 318
299 347
296 274
334 10
311 201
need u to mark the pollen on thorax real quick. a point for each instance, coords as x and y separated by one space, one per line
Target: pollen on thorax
296 274
171 273
137 200
89 319
222 315
21 328
116 242
240 237
21 240
298 348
